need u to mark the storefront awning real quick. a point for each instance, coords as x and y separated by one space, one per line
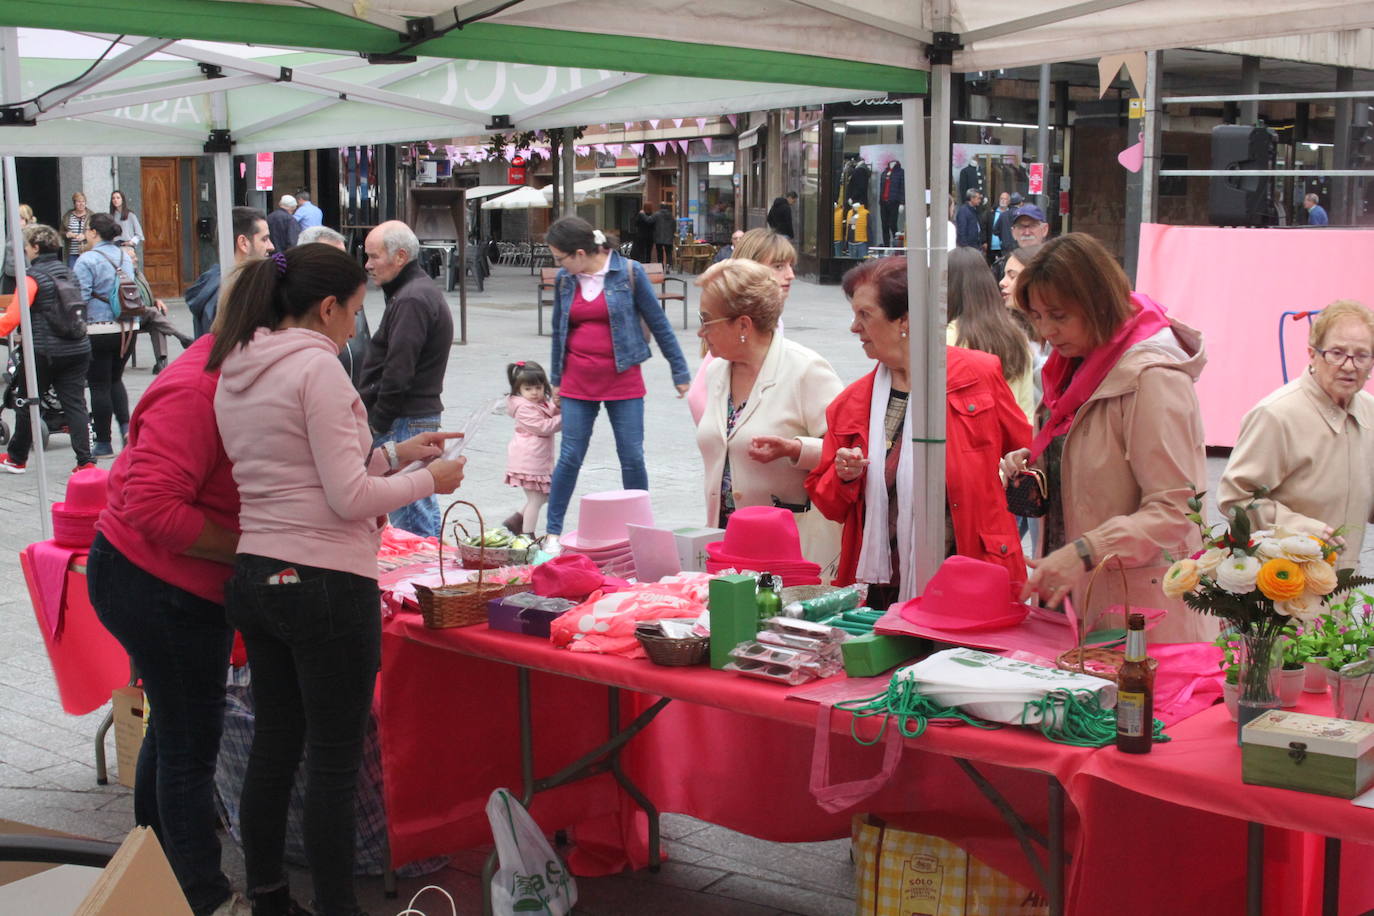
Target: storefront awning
591 186
488 190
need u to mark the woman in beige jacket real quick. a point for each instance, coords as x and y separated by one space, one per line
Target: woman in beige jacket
764 412
1119 438
1311 443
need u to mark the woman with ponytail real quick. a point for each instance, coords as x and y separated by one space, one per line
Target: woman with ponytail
304 594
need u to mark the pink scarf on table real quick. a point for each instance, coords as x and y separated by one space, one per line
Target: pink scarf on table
1066 389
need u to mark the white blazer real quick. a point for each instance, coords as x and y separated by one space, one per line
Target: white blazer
789 398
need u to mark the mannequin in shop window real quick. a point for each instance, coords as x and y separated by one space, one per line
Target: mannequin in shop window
891 195
838 227
970 178
857 187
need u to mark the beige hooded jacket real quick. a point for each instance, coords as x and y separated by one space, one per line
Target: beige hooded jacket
1133 449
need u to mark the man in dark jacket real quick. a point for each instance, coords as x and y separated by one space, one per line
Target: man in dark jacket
665 227
642 234
60 362
282 225
780 215
251 240
968 227
403 377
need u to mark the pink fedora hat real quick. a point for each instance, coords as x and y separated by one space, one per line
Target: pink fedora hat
966 594
85 494
759 534
602 517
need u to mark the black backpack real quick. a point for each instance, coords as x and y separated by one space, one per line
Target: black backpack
66 312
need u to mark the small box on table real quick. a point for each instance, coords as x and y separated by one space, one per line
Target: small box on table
1293 750
691 546
734 615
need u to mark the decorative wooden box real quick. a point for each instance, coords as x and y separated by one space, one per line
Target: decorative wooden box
1293 750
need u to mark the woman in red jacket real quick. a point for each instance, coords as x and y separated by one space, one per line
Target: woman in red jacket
981 419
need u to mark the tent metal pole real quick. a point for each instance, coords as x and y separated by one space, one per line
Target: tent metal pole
569 171
930 486
10 91
1152 128
1042 136
917 273
224 191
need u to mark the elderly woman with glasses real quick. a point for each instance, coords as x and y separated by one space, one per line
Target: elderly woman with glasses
1311 442
763 415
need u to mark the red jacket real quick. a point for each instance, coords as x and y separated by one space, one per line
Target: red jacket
982 423
171 477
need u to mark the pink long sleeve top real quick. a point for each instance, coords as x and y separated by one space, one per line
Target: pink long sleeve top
311 486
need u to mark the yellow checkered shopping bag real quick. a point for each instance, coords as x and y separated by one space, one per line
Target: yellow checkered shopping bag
901 873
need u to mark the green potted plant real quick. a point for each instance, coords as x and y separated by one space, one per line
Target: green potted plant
1293 674
1309 645
1229 644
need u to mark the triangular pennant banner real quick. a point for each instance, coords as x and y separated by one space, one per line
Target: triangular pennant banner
629 124
1132 158
677 122
733 119
614 148
706 142
653 122
638 148
661 146
701 123
1109 66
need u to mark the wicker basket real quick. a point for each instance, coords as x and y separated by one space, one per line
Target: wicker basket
675 653
462 604
1096 660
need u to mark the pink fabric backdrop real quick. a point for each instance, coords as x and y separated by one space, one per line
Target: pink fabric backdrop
1232 284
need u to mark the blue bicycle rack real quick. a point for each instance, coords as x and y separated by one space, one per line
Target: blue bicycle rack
1293 316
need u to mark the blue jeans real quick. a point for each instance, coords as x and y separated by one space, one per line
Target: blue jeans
627 423
422 516
180 644
314 648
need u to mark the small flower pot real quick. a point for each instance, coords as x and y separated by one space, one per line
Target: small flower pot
1230 695
1291 683
1315 679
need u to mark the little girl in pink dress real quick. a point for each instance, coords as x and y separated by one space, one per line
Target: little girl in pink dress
530 455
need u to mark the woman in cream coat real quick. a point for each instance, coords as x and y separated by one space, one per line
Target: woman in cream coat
760 432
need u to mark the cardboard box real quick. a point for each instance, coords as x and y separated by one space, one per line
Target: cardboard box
691 546
655 552
874 653
129 727
137 880
1293 750
734 615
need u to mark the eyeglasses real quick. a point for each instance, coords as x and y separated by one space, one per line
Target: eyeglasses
705 320
1336 358
560 258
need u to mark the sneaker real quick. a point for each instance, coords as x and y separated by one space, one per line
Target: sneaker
234 906
102 450
89 465
12 467
551 545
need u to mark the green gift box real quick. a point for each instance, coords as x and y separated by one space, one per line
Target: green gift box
1293 750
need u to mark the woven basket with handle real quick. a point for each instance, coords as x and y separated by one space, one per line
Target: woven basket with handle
1099 661
461 604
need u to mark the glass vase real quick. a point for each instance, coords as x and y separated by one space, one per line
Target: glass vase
1260 660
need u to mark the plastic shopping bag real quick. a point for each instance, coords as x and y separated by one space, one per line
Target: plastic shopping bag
995 688
531 879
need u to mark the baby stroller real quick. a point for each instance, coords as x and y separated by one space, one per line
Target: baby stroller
51 419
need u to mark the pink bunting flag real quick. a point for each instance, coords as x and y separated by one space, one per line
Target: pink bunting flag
1132 158
661 146
706 142
629 124
733 119
653 122
701 123
677 122
599 147
614 149
638 148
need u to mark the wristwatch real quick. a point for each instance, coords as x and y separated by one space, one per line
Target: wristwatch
392 459
1084 553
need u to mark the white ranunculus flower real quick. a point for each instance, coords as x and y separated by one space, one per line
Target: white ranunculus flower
1209 561
1300 548
1237 574
1268 548
1305 607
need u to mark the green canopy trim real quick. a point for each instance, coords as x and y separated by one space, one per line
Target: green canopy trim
269 24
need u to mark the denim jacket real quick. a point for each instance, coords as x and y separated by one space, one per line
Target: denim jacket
95 271
630 299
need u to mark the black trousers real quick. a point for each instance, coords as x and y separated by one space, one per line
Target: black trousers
888 210
109 399
67 377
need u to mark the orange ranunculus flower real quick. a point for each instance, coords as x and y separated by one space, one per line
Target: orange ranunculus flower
1281 579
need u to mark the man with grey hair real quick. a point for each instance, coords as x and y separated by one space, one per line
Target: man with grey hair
968 225
324 235
282 225
403 377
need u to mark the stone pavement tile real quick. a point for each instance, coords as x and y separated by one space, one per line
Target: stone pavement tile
777 861
30 757
620 896
678 851
60 736
12 777
72 775
812 874
796 900
680 826
465 889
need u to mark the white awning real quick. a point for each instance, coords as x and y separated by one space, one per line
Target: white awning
591 186
487 190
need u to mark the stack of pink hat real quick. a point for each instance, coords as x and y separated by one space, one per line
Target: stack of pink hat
73 521
602 535
763 539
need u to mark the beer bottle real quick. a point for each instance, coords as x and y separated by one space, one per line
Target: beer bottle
1135 694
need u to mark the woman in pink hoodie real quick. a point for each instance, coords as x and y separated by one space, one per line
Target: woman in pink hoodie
311 488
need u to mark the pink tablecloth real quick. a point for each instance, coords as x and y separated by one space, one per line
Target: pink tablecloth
737 752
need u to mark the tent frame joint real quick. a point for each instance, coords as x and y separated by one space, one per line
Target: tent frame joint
16 116
219 141
211 71
942 47
285 75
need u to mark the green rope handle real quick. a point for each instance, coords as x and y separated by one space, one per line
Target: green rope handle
928 441
904 700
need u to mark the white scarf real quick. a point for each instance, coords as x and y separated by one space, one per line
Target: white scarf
875 560
592 284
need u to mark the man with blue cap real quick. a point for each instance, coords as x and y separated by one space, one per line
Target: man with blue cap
1028 226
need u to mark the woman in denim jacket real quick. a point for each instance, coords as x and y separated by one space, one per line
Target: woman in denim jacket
601 302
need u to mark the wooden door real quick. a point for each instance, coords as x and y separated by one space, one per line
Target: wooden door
161 218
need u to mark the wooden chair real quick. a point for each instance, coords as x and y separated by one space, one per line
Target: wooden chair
658 277
547 276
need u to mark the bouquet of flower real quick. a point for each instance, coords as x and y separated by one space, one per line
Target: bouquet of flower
1261 583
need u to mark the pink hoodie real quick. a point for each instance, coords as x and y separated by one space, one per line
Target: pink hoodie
297 434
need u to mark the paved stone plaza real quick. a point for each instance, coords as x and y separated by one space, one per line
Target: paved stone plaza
47 774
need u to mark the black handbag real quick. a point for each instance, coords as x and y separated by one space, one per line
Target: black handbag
1028 494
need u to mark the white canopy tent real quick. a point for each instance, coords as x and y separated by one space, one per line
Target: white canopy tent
856 47
593 187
